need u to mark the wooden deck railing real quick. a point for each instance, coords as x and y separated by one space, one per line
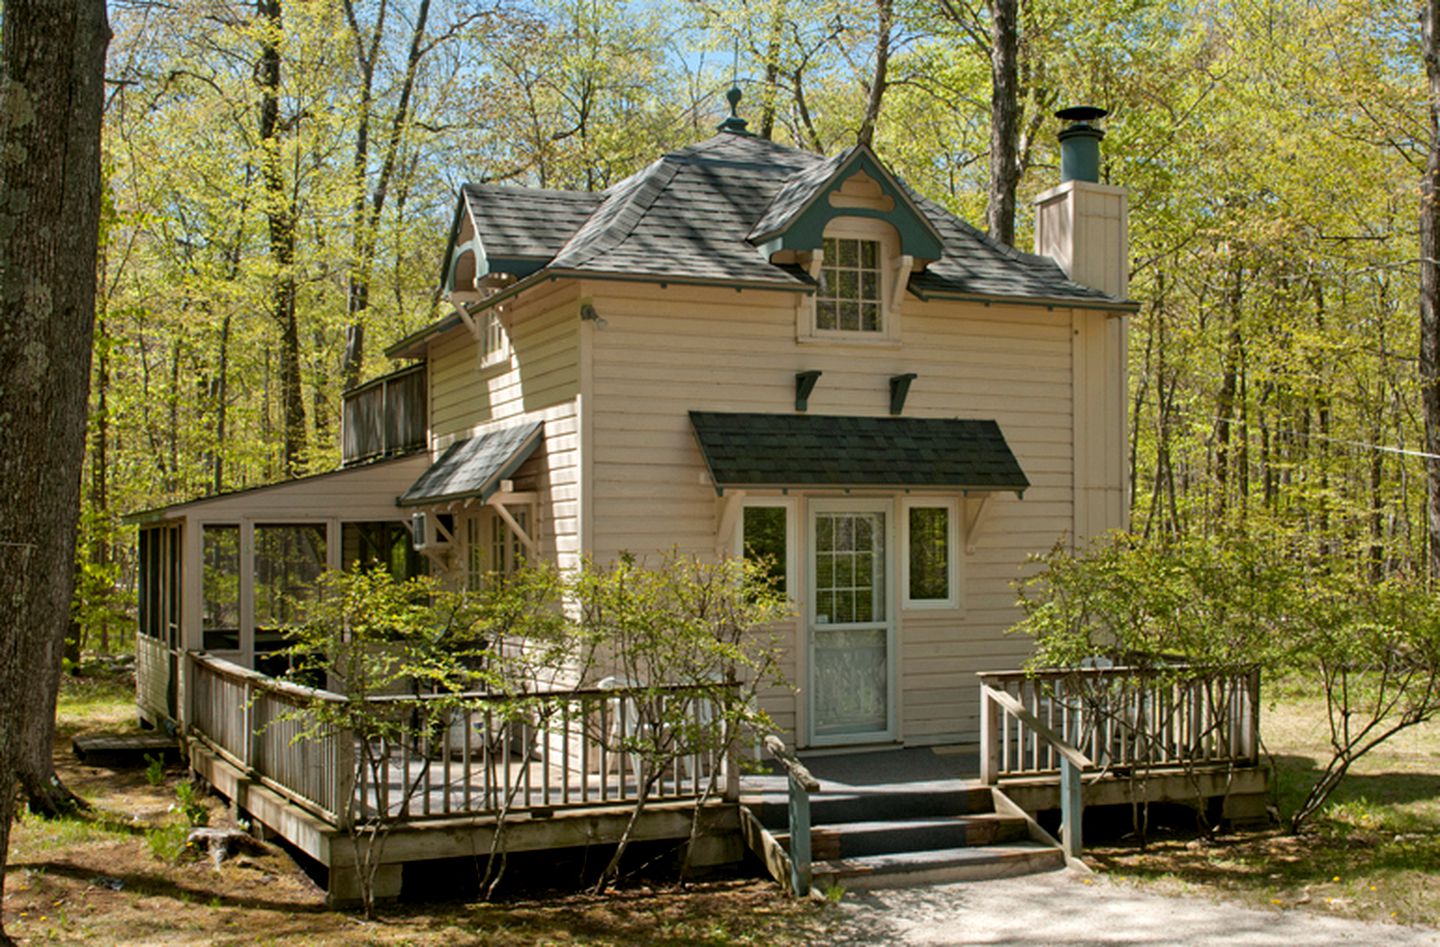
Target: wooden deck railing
1121 719
478 754
152 676
384 416
1071 722
252 720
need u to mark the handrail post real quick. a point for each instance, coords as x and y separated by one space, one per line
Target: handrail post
1071 808
989 738
799 837
344 777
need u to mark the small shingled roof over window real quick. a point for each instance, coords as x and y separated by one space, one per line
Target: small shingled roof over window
811 450
475 466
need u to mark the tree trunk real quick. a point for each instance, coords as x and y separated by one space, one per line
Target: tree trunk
1004 118
885 24
1430 288
50 103
280 217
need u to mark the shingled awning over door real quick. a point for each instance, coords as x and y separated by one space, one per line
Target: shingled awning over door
811 450
474 467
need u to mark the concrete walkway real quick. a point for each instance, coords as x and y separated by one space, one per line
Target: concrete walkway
1061 909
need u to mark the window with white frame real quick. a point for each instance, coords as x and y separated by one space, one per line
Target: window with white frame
851 293
474 555
494 342
507 552
929 545
766 535
491 547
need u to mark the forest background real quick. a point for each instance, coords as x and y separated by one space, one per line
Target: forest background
281 177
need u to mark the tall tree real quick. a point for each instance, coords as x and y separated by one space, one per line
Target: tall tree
280 215
1430 284
50 108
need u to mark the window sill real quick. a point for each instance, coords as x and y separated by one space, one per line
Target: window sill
857 340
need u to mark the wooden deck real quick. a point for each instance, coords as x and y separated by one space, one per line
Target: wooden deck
557 769
562 772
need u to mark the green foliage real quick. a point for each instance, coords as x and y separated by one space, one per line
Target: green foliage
190 797
1278 600
154 769
167 842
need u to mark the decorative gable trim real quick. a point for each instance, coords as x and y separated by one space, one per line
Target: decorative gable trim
854 184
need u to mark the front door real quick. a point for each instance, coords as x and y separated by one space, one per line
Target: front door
851 641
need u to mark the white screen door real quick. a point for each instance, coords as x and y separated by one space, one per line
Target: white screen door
850 641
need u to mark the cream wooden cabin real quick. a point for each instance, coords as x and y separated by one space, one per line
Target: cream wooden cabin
742 346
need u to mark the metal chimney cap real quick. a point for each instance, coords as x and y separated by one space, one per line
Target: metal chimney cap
1081 113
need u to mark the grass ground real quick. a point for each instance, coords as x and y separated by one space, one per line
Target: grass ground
1372 853
120 874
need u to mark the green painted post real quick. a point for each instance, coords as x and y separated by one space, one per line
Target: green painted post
799 838
1070 807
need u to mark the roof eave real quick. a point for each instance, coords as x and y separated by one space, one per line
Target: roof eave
1050 302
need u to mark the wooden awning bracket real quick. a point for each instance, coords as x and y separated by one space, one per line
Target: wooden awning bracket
977 507
729 506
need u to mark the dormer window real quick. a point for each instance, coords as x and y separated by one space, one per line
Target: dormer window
857 269
850 294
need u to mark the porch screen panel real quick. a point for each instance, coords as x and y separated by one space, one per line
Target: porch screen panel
288 560
382 543
148 582
220 588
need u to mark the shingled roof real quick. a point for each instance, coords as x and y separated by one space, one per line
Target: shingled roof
815 450
694 214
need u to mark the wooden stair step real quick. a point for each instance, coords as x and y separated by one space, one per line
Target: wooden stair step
907 801
935 866
880 837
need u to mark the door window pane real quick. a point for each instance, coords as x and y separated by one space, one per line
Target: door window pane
929 553
764 540
849 566
220 588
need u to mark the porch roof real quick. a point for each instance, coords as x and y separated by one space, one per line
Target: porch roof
809 450
475 466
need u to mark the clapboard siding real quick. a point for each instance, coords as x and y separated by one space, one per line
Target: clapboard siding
543 368
664 352
540 380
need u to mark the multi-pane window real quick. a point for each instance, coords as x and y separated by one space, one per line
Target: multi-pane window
764 539
507 552
493 338
474 556
849 568
848 299
491 547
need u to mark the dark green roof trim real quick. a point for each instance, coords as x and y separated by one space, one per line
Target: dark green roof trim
800 212
1102 303
475 466
808 450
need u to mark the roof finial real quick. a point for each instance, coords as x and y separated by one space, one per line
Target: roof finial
734 123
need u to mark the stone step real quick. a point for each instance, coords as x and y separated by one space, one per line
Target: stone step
880 803
937 866
858 839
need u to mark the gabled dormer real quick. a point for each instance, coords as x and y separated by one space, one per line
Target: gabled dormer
856 230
